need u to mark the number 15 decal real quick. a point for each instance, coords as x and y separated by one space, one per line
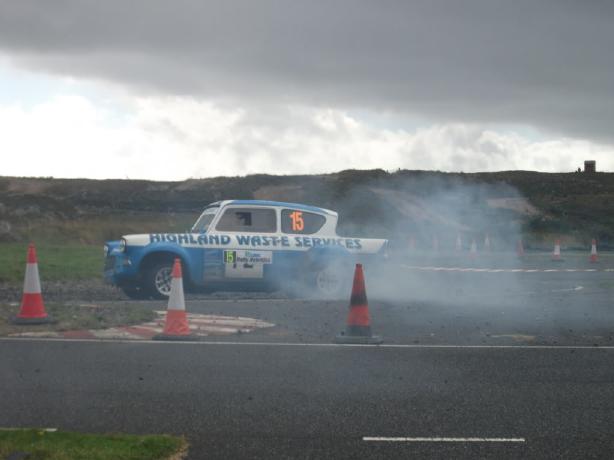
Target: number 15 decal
298 224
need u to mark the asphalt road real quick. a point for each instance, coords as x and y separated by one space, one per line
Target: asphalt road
263 401
476 365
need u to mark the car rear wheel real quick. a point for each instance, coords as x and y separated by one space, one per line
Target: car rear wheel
331 281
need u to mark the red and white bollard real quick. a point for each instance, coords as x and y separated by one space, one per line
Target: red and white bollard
594 258
32 307
556 254
176 324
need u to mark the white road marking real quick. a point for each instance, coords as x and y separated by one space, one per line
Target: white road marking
439 439
577 288
506 270
48 430
316 345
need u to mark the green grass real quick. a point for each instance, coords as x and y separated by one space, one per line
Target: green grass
78 317
55 262
61 445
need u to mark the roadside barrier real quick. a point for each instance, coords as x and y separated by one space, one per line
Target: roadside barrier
32 307
176 324
358 325
594 257
556 255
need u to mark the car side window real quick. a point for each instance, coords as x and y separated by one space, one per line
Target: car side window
260 220
301 222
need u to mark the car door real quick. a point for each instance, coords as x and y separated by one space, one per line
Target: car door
249 254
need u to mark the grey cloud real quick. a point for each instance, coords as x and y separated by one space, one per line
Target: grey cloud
546 63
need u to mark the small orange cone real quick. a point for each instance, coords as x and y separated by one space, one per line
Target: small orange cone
176 325
594 257
32 307
358 327
556 255
519 249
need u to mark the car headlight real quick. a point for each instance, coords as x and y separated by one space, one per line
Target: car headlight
122 245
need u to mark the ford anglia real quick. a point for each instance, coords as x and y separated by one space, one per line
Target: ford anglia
243 245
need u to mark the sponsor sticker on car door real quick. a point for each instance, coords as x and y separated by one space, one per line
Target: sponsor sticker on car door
246 264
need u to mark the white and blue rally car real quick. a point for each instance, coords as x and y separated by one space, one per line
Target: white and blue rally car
244 245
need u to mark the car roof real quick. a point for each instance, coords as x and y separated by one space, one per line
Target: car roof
302 207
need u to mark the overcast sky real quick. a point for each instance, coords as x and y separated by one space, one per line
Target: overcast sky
178 89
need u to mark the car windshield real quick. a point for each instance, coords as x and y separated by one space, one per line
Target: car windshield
203 222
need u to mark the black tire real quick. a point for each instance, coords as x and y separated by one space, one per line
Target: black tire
157 279
330 281
135 292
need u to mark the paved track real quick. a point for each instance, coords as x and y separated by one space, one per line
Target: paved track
286 392
258 401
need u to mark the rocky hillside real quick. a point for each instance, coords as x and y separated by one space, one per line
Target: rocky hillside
370 203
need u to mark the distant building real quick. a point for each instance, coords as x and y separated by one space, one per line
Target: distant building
590 166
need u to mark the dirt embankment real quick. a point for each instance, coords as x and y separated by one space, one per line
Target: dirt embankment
371 203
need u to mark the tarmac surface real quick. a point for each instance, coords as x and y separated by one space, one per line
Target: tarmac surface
475 364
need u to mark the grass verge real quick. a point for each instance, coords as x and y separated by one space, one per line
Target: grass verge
62 445
55 262
81 316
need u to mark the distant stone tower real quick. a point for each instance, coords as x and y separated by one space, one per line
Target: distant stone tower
590 166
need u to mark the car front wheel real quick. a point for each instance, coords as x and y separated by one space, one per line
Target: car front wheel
157 280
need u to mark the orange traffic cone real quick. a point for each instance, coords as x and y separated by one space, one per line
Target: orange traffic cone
519 249
594 258
176 325
358 327
32 307
556 255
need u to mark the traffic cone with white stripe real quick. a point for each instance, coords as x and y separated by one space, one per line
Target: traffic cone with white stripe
358 326
176 325
556 255
594 257
32 307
